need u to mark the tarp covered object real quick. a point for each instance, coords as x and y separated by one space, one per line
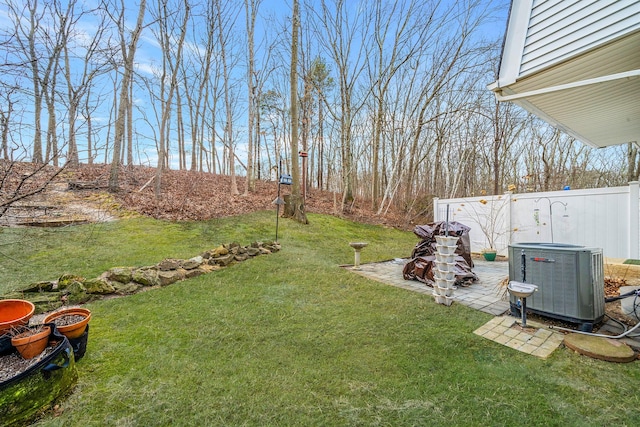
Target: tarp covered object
423 256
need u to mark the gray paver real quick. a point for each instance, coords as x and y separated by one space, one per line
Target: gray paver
484 295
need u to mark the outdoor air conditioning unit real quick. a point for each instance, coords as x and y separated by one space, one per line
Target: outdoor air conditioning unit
570 281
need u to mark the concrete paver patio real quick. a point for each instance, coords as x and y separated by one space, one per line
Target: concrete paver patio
485 295
489 296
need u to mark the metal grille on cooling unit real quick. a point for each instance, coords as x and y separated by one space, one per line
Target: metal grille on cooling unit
570 280
559 289
597 277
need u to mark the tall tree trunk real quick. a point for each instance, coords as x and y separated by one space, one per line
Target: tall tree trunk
182 153
72 96
633 160
124 103
320 146
228 128
251 7
37 94
52 153
130 128
167 40
294 207
87 115
5 118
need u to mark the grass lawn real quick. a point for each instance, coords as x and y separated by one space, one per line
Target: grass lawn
292 339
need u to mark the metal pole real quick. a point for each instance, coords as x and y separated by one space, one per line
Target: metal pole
523 267
446 230
278 198
277 211
551 220
304 178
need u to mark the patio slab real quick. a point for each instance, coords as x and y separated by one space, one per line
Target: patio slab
489 296
485 295
536 339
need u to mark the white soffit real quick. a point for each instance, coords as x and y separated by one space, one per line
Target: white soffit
593 96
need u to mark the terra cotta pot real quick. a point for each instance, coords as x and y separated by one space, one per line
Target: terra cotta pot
14 312
73 330
32 342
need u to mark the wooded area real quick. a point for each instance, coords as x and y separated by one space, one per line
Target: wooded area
391 102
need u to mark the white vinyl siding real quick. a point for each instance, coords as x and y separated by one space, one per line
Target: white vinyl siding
561 29
576 65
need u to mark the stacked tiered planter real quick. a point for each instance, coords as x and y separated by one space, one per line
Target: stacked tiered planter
444 269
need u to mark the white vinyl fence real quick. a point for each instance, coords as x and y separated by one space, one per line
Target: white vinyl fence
607 218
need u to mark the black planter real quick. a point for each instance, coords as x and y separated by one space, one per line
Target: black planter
5 344
79 345
33 391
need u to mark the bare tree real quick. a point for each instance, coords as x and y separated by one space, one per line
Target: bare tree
225 23
295 203
273 110
260 77
170 68
398 20
128 54
198 84
633 159
410 117
339 34
81 75
251 10
506 129
317 82
20 181
26 16
87 112
6 112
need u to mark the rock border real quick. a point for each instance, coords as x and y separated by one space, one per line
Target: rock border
70 289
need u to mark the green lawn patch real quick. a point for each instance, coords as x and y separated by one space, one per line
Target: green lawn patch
632 261
292 339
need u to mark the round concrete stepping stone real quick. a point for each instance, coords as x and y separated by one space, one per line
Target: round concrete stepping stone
600 348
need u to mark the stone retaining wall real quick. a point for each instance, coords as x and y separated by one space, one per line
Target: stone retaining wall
71 289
